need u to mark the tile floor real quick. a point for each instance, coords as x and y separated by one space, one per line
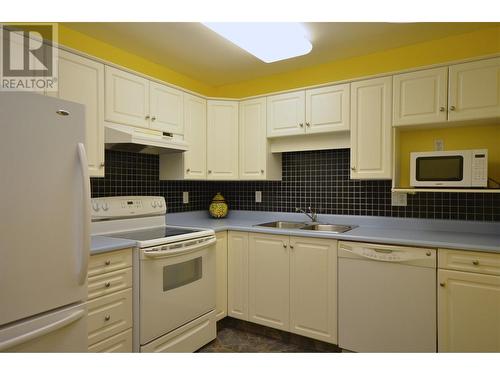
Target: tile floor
234 336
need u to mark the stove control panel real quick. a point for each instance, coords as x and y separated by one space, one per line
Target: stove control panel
127 206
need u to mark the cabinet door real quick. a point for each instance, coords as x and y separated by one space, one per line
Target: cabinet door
221 275
327 109
126 98
195 133
166 108
468 312
285 114
269 285
371 132
253 140
81 80
237 275
420 97
313 288
222 140
475 90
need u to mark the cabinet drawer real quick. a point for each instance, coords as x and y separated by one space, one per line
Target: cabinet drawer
112 261
469 261
109 315
107 283
120 343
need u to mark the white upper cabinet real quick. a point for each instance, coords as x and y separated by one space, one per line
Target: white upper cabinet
371 132
191 164
81 80
222 140
255 158
475 90
420 97
166 108
286 114
126 98
327 109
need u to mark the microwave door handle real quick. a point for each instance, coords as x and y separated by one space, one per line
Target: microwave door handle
183 250
85 241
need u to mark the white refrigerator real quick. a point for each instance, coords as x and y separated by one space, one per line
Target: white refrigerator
44 224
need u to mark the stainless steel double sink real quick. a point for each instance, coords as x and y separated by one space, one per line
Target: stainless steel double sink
332 228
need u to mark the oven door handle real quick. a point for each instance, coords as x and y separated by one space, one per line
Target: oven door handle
184 250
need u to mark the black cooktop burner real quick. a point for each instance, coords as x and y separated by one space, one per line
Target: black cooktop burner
153 233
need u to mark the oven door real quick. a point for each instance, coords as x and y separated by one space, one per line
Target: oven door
177 285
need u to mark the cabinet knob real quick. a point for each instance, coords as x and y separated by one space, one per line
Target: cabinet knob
308 124
107 284
452 108
301 125
475 262
442 284
188 170
107 263
107 318
147 117
102 165
291 246
441 109
428 253
209 171
153 118
285 245
262 171
353 168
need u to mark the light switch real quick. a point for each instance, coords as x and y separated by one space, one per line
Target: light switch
438 145
185 197
399 199
258 196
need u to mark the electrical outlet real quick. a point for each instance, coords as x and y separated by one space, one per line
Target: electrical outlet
258 197
185 197
399 199
438 145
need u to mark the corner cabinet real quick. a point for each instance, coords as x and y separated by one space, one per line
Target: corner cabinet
221 275
81 80
468 301
222 140
191 164
371 129
256 162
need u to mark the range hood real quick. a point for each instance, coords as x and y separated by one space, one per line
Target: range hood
146 141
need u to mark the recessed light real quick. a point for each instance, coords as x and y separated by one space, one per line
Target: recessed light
268 41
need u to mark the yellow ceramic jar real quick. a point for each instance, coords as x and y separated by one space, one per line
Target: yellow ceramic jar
218 208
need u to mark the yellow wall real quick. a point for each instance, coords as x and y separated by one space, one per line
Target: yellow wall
97 48
456 138
477 43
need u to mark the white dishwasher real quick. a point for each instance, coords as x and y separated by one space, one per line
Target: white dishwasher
386 298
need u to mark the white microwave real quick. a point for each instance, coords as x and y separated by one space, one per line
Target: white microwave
462 168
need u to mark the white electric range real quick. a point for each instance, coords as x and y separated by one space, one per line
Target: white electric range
174 273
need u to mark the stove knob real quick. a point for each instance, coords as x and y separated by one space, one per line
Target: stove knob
153 204
95 206
160 204
105 206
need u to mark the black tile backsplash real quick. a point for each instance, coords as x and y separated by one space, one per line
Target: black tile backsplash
316 178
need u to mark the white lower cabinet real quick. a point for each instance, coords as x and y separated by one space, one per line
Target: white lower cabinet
313 288
237 275
269 280
221 275
109 302
288 283
468 302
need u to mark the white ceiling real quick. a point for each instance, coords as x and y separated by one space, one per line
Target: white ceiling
194 50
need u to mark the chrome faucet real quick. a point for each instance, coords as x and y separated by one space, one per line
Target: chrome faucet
311 213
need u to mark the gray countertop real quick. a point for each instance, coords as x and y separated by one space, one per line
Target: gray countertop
103 244
453 234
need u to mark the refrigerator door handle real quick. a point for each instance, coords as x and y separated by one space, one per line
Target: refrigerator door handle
85 244
42 331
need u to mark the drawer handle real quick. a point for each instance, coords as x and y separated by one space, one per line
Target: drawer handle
428 253
107 284
475 262
442 284
107 317
107 263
